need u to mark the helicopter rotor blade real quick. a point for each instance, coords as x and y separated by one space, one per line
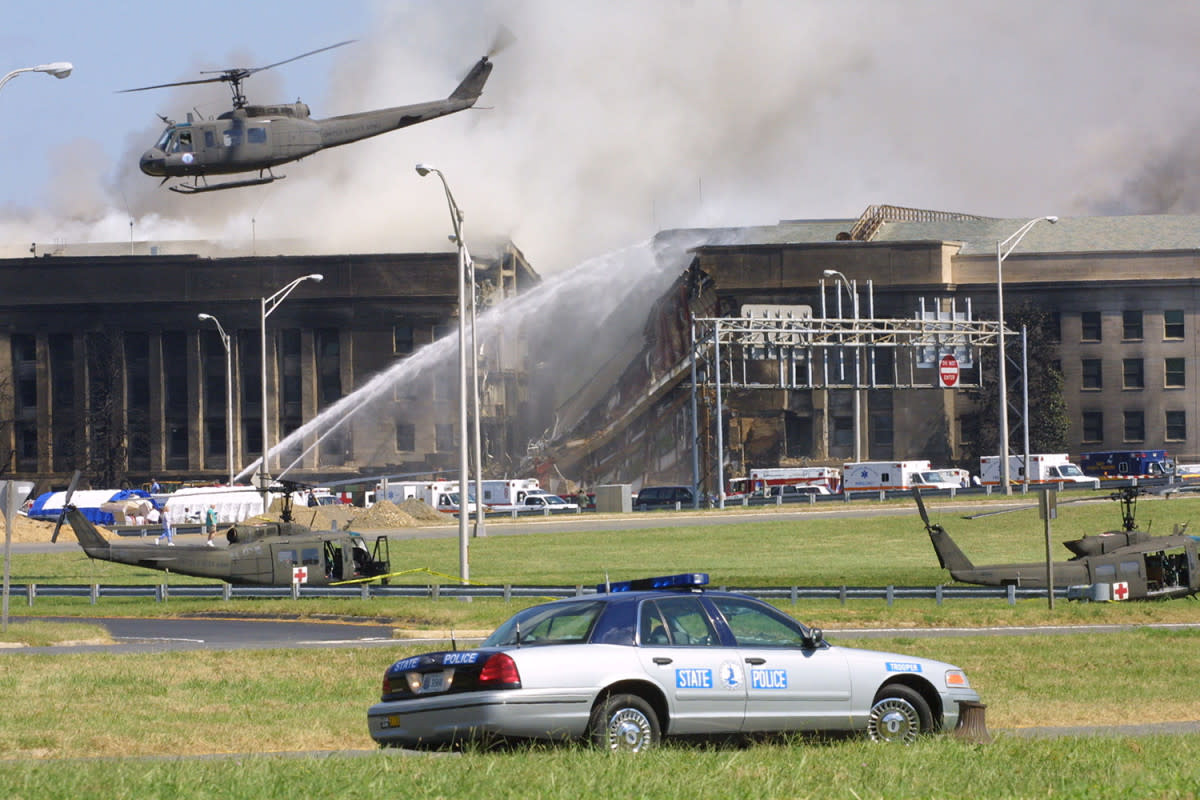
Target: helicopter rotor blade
236 74
251 71
66 501
503 39
921 507
176 83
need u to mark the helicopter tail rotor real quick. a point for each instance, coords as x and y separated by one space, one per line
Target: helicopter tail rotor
503 39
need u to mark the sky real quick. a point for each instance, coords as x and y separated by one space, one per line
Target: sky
604 122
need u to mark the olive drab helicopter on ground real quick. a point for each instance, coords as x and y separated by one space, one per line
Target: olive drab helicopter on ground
251 138
261 554
1135 564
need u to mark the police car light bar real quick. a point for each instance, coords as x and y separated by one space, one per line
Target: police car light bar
686 580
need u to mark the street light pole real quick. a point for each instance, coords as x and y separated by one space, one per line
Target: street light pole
456 218
852 289
1001 253
228 392
59 69
267 306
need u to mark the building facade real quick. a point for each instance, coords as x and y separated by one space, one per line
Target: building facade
1122 294
106 366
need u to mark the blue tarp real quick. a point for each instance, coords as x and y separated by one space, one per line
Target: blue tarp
49 506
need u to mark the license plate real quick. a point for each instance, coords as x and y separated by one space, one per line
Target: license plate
433 682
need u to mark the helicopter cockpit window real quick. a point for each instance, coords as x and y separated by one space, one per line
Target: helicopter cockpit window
256 136
161 144
210 140
181 142
232 137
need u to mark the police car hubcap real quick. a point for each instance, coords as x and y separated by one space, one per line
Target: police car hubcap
893 720
628 730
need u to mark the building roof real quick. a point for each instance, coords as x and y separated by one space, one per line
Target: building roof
979 235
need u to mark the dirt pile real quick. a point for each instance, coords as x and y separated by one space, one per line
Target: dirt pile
384 514
28 530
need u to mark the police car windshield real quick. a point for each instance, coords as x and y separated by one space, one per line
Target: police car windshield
554 623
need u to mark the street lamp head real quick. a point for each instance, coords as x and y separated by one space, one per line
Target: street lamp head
1051 219
59 69
425 169
204 316
316 276
830 273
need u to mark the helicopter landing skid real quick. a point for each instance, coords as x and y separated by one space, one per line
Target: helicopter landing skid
197 188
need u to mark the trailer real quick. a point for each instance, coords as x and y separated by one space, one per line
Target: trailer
1043 468
761 480
1115 464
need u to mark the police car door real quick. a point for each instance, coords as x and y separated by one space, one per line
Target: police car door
790 685
681 652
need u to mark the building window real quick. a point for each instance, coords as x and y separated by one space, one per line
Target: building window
843 431
1133 374
406 437
1054 326
1092 376
1173 324
1093 426
1089 322
402 340
1176 426
1135 426
1131 325
444 435
881 430
1175 377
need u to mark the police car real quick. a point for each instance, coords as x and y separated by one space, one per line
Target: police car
658 657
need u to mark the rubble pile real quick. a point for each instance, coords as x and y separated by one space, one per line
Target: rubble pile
28 530
384 514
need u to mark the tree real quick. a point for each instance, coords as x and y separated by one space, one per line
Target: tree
1049 425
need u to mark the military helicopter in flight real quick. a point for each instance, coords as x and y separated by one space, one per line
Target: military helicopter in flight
261 554
251 138
1136 564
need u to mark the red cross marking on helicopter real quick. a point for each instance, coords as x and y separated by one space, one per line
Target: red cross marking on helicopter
299 574
1121 591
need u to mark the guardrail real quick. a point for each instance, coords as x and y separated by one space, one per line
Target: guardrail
223 591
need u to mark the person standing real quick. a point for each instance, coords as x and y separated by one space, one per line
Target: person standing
167 533
210 523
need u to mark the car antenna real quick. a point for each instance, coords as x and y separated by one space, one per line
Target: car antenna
453 641
607 583
518 633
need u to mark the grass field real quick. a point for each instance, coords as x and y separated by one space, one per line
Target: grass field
128 724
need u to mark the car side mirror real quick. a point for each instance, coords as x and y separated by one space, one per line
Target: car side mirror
816 638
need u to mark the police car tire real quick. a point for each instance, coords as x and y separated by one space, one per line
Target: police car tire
899 714
624 723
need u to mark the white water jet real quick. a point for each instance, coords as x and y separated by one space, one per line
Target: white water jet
563 327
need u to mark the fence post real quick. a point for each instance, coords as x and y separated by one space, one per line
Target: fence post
842 594
937 593
795 594
891 594
227 592
30 593
366 591
508 592
95 593
435 591
1012 595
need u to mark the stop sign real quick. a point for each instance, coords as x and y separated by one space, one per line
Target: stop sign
948 371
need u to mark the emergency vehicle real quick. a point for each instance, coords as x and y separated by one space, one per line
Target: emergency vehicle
761 480
442 495
866 476
1042 468
1113 464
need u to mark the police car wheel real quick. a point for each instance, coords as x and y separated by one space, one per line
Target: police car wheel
624 723
899 715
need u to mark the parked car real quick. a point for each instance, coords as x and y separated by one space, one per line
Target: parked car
803 490
660 657
664 497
